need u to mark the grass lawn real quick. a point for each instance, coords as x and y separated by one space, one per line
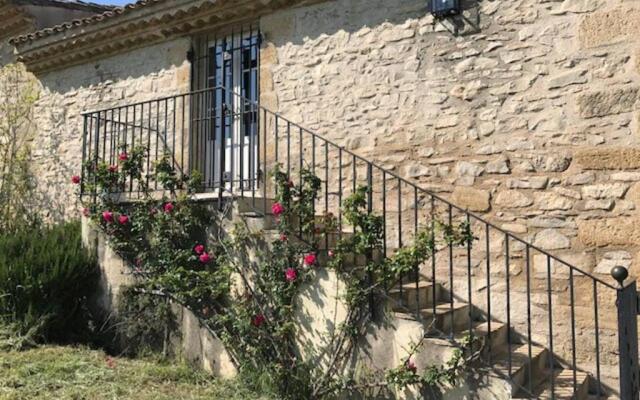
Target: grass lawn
76 373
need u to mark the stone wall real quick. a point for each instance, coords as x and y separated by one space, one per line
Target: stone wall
139 75
190 340
529 116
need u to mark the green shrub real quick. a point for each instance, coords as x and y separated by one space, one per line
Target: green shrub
45 279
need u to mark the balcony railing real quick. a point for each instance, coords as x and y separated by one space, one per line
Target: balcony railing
586 322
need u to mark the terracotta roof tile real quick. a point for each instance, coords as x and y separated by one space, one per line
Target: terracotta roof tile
104 16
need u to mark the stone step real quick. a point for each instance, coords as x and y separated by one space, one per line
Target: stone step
520 366
498 335
563 386
408 296
444 319
249 205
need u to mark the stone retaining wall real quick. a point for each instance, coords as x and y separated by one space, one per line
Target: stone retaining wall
191 341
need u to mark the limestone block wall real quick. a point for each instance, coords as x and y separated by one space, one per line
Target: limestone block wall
140 75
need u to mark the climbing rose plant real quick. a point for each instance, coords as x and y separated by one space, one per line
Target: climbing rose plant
187 251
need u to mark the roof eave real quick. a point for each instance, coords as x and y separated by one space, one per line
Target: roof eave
140 25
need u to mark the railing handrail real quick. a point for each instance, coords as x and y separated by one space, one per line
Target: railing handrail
154 100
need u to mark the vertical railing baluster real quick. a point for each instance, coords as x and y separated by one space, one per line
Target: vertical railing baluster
84 154
469 288
631 362
104 136
400 235
369 253
90 149
354 173
157 139
264 156
313 153
434 251
326 191
110 130
529 344
551 355
210 132
384 217
233 128
508 294
276 123
384 229
488 255
222 145
242 125
415 238
300 159
149 129
253 138
289 149
173 132
126 128
573 331
450 222
133 142
96 156
116 147
340 192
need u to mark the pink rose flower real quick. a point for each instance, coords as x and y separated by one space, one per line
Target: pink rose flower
86 212
411 366
283 238
123 156
291 274
331 253
199 249
113 168
107 216
168 208
277 209
123 219
258 320
205 258
310 259
75 179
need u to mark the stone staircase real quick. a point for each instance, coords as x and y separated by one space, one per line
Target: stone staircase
502 351
529 377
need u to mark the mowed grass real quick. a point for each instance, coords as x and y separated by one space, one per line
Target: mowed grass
77 373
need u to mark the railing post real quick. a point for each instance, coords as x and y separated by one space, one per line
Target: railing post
627 305
84 155
372 303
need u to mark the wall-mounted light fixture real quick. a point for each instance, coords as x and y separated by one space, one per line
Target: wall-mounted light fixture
444 8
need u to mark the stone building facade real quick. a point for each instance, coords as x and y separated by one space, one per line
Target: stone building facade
526 112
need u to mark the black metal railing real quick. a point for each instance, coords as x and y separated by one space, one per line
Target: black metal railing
587 323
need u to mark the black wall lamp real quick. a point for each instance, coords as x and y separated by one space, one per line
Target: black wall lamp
444 8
